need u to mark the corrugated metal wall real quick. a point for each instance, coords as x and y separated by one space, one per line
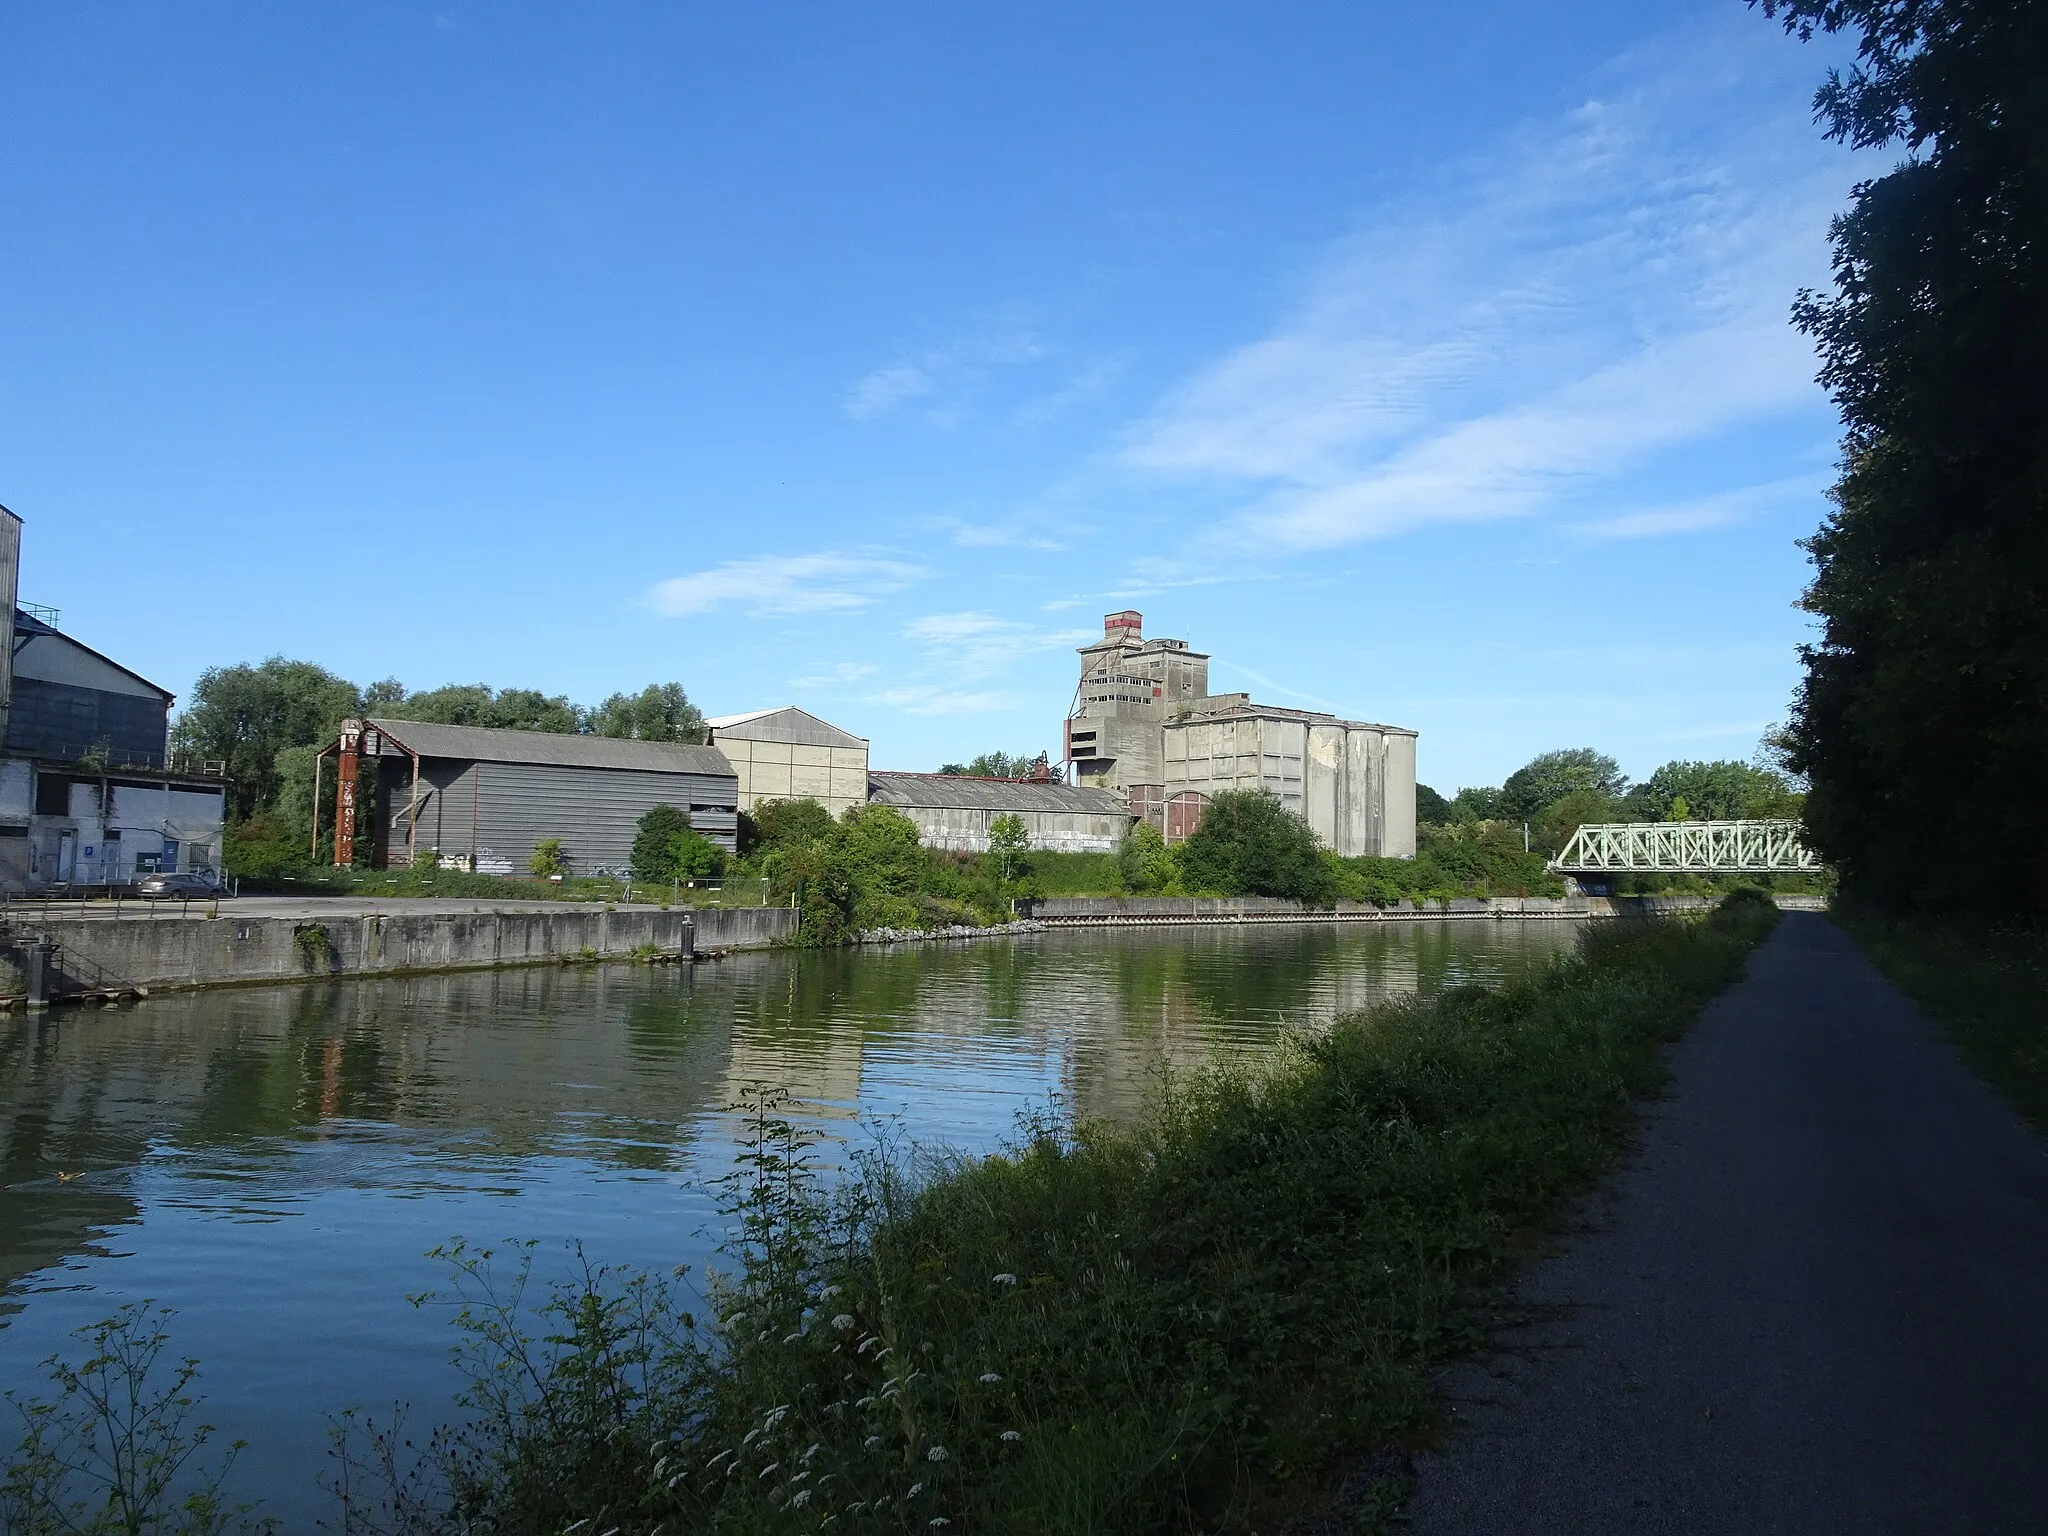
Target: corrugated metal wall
513 806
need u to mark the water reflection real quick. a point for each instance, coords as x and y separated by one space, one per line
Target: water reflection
273 1162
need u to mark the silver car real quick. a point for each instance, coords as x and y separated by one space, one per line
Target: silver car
167 883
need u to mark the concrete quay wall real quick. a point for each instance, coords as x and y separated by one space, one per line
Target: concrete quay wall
1140 911
100 953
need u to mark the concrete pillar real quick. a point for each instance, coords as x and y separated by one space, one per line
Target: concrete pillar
42 970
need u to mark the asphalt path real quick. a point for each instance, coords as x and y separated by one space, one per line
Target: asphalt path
1815 1301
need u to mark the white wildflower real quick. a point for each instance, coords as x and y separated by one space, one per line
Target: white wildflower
915 1490
1005 1279
843 1321
937 1520
936 1453
871 1442
1010 1434
989 1376
767 1469
800 1498
791 1338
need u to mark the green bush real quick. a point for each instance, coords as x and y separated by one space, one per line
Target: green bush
1248 844
1180 1326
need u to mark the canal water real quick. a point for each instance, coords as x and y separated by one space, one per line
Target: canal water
274 1163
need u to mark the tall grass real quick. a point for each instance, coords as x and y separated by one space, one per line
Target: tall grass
1986 987
1183 1326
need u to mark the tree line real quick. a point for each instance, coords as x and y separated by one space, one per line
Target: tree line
268 721
1931 668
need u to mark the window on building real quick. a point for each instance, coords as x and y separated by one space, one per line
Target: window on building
53 794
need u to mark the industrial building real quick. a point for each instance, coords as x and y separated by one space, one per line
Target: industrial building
89 795
790 754
953 811
1144 725
481 799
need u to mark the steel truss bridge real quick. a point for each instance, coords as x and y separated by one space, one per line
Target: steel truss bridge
1687 848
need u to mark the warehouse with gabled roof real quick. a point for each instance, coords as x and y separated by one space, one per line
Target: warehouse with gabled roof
482 799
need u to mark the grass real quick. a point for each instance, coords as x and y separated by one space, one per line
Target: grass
1986 987
1195 1324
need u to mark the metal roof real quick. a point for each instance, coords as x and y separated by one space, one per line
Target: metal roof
786 723
951 791
29 626
482 744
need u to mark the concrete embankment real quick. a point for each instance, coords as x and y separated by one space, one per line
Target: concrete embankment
1145 911
87 954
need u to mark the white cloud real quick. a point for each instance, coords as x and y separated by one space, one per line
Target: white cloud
938 699
1706 512
1001 536
978 643
784 584
1603 288
838 673
946 378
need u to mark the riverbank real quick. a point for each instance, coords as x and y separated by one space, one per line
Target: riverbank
251 941
1200 1322
1143 911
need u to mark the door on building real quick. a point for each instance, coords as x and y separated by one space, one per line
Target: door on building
170 856
67 857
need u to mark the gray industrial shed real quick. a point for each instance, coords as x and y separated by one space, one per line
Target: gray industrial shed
487 797
954 811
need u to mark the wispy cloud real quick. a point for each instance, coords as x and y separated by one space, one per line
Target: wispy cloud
785 584
980 643
938 699
1603 288
836 675
1002 536
944 380
1707 512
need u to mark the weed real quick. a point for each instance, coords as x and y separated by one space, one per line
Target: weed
1175 1327
312 944
116 1451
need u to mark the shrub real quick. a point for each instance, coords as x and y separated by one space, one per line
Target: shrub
548 858
1250 845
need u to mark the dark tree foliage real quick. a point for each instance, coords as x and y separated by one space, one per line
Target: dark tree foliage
658 712
508 709
246 715
1549 777
1431 808
1922 720
791 823
1249 844
1004 765
654 843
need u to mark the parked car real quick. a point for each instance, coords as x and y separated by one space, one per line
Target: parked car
195 883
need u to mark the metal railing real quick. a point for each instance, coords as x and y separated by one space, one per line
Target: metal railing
1688 848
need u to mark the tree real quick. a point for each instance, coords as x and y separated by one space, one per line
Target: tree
658 712
1431 807
1144 863
1931 668
512 709
1550 776
548 858
1719 791
654 844
1009 846
1476 804
1004 765
788 823
1249 844
246 715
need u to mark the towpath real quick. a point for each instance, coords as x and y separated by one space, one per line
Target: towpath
1816 1301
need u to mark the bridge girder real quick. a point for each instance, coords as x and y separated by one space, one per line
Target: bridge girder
1687 848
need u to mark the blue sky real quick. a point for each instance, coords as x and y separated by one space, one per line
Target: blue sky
1426 364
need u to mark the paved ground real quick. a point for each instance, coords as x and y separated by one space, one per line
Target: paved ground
1816 1302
